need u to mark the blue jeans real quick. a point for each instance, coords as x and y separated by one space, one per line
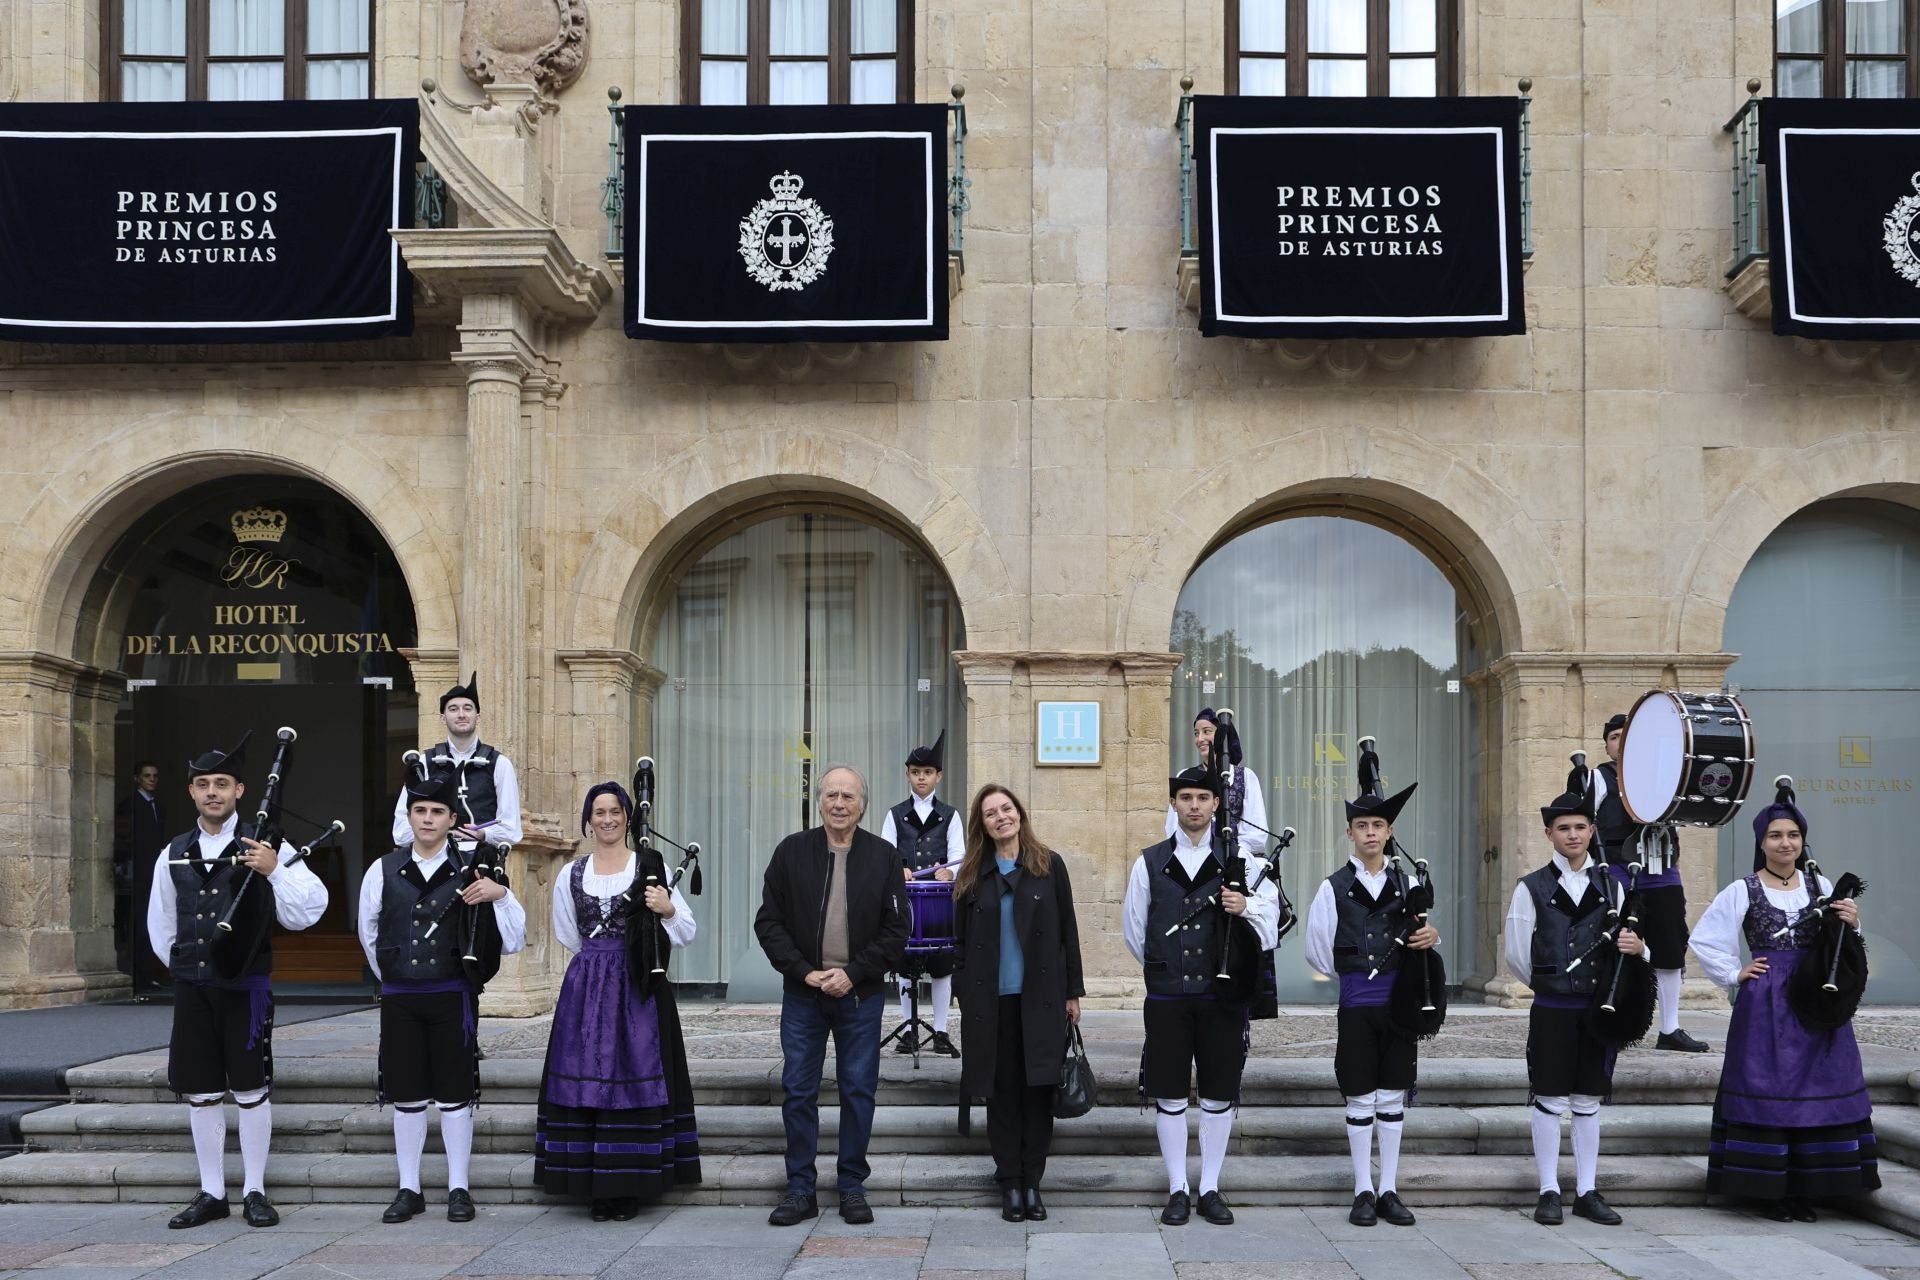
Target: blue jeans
805 1023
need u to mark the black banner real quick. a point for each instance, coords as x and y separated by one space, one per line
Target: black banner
205 221
1358 217
1843 210
787 224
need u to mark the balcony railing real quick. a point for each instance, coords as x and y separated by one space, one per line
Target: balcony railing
1749 226
1183 125
429 197
613 192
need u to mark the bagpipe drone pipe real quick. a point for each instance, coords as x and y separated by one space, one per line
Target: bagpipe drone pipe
648 947
1417 1004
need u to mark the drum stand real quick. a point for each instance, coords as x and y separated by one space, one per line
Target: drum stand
912 968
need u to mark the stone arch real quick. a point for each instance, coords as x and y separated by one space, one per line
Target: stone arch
49 558
653 522
1475 531
1865 465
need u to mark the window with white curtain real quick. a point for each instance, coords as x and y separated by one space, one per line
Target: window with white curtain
1315 631
1340 48
796 641
780 52
1844 48
238 50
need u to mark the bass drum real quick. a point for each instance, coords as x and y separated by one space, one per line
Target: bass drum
1686 758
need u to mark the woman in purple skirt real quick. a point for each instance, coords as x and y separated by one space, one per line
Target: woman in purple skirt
616 1106
1792 1122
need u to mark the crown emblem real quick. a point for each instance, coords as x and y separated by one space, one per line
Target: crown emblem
786 185
258 524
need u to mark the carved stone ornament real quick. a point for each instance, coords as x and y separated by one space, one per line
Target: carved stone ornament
538 42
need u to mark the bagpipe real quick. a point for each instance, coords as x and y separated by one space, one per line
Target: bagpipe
1245 970
1624 990
476 924
242 930
1825 989
648 947
1417 1005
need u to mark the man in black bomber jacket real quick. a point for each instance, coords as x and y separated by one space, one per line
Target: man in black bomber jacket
833 921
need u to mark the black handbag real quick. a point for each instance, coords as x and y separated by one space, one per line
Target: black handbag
1073 1097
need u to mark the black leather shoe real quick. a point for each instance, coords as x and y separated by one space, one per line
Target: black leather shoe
1591 1207
1776 1211
202 1208
602 1210
405 1204
1392 1211
793 1207
257 1212
1801 1210
1547 1212
459 1205
1036 1207
1178 1210
1214 1209
1679 1042
625 1208
943 1045
855 1209
908 1043
1013 1205
1363 1213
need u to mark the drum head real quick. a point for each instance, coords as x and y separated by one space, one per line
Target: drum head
1653 756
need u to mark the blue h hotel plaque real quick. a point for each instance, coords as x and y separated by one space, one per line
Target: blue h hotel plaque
1066 733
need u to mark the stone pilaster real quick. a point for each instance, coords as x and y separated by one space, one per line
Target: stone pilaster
56 911
434 672
612 713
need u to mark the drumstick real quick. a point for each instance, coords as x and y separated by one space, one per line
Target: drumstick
915 875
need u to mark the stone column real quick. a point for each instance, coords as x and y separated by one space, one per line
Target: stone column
611 713
493 587
56 909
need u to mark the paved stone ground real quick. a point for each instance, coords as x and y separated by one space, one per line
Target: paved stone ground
347 1242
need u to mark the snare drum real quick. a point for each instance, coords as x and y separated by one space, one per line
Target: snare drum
1686 758
930 908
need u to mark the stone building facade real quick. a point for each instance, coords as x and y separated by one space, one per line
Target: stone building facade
1593 489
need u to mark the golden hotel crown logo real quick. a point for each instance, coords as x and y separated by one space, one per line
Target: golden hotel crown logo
258 524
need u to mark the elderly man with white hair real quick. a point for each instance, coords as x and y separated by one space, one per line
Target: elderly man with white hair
833 921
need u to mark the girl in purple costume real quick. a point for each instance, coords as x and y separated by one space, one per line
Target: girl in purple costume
1792 1121
616 1120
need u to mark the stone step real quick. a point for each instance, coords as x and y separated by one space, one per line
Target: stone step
1655 1079
507 1129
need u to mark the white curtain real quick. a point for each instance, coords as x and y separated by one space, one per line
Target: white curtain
153 82
337 78
337 26
1337 26
1875 26
245 81
155 27
796 83
237 28
797 27
723 27
873 23
1876 79
723 84
796 642
875 80
1336 78
1412 77
1263 28
1797 25
1410 26
1316 631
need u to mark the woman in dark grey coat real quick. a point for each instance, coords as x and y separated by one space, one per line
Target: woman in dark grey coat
1019 986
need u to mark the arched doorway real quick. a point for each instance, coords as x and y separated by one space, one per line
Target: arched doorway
247 603
791 637
1317 630
1826 620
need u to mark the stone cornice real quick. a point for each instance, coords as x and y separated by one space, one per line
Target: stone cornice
981 665
620 666
531 264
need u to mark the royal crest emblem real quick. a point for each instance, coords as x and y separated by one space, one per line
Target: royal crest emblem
1902 239
786 241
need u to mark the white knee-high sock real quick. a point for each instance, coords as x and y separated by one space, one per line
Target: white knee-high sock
409 1140
1546 1141
1216 1126
1667 983
209 1125
1170 1125
256 1132
456 1135
1389 1120
942 997
1360 1123
906 1002
1586 1143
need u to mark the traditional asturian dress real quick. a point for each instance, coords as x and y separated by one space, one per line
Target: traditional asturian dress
616 1105
1792 1118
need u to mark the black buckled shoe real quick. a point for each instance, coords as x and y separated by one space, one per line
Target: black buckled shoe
908 1043
1392 1211
1591 1207
1214 1209
854 1208
945 1046
201 1209
405 1204
255 1208
793 1208
1013 1205
1547 1211
1178 1210
1680 1042
602 1210
459 1205
1363 1213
